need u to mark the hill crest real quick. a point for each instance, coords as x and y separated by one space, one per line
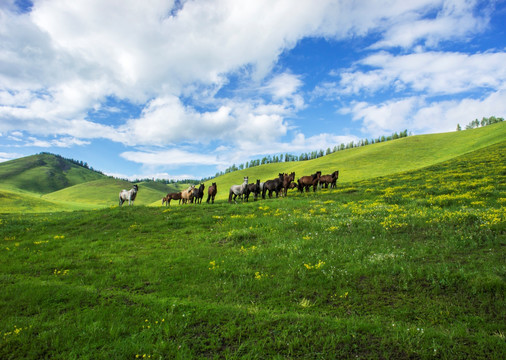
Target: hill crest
44 173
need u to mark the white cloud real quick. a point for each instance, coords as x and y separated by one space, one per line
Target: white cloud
9 156
455 19
387 117
431 72
65 57
423 116
284 85
170 158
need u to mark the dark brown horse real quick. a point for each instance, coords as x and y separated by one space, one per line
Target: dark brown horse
211 192
252 188
198 194
326 180
306 181
287 180
334 179
273 185
172 196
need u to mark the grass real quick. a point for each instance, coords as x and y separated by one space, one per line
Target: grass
372 161
407 266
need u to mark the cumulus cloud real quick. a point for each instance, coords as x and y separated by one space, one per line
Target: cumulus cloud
64 58
425 116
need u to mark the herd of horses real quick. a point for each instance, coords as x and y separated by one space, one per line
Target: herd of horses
279 185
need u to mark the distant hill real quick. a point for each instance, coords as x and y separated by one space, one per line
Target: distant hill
104 192
43 174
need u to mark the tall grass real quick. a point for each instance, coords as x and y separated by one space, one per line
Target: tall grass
407 266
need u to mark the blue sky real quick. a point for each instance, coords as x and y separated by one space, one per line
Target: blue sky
184 89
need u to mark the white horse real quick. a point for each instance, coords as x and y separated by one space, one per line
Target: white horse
238 190
129 195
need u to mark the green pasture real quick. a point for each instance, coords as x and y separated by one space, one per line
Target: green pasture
404 266
371 161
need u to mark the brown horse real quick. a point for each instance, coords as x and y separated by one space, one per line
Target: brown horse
306 181
326 180
287 180
171 196
211 192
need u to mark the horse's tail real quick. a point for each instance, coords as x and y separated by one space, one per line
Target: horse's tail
230 195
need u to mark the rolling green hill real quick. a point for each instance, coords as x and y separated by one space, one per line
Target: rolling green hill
104 192
381 159
43 174
48 183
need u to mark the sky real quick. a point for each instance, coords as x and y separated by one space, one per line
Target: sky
184 89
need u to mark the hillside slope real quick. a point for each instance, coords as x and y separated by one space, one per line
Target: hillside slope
381 159
409 266
104 192
43 174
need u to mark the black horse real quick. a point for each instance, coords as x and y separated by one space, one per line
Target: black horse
199 194
252 188
273 185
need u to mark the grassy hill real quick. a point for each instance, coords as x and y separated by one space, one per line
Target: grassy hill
23 202
43 174
62 183
46 182
409 266
105 192
381 159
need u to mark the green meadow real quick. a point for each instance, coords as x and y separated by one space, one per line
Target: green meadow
403 260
